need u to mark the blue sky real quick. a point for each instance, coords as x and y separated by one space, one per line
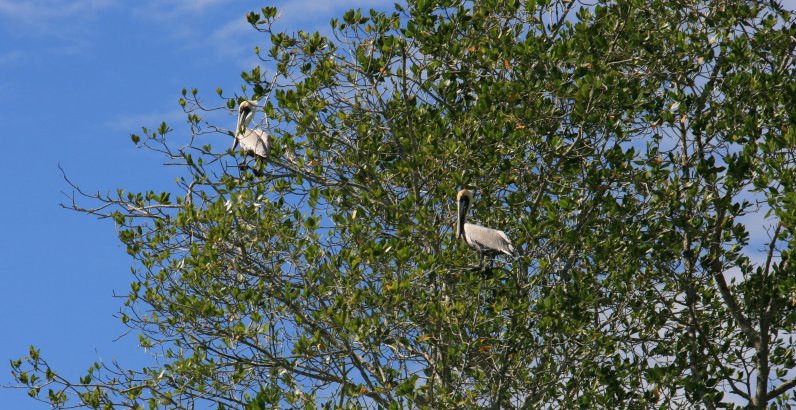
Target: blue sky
76 78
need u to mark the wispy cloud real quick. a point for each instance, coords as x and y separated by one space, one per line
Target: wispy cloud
298 13
203 26
11 57
54 19
62 25
170 9
133 122
236 39
125 124
66 19
43 10
38 10
191 24
226 39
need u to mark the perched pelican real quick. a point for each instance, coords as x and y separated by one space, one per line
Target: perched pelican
486 241
253 141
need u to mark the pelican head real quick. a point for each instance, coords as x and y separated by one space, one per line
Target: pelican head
463 200
246 111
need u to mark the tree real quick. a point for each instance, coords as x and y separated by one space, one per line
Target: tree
630 148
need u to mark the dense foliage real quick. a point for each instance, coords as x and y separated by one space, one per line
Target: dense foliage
636 152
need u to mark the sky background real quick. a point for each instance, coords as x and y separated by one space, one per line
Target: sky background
76 78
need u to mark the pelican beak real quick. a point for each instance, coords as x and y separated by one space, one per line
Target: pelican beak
238 130
462 209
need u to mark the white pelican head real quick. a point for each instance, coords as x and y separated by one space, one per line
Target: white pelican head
246 111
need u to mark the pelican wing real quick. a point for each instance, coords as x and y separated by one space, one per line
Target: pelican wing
487 239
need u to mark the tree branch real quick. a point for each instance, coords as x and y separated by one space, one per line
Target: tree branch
782 388
715 267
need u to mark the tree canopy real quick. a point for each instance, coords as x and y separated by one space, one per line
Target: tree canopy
636 152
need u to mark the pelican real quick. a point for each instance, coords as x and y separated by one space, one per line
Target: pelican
486 241
253 141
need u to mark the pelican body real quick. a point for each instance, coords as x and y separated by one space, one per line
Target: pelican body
486 241
253 141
